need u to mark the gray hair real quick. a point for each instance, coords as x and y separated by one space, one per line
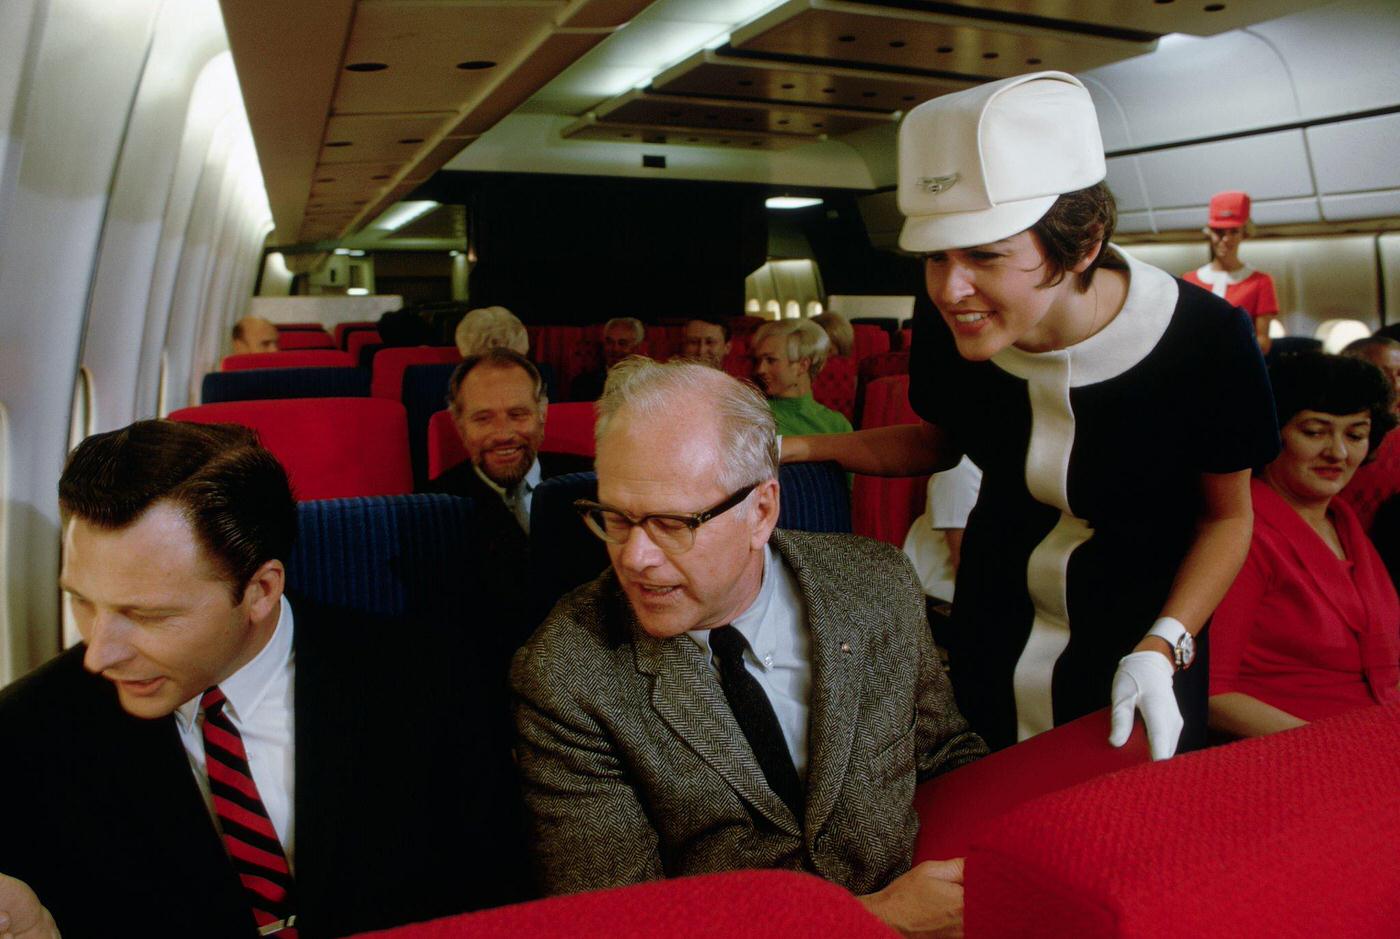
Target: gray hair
631 322
491 327
805 340
838 329
668 391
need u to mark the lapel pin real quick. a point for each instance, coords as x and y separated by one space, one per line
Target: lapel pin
846 648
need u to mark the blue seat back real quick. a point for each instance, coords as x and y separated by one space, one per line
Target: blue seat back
385 555
256 384
424 394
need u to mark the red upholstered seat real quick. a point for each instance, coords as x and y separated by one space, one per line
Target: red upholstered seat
870 340
554 346
360 338
906 339
292 327
877 366
568 428
885 507
332 447
291 340
835 385
1293 834
302 358
735 905
955 808
1375 482
744 325
386 376
343 330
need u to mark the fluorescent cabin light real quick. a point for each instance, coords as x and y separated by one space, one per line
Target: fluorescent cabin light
342 251
791 202
403 213
357 291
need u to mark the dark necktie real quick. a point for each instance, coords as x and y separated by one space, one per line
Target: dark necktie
243 822
756 718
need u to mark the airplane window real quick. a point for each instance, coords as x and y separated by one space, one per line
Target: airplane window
814 308
1337 334
1276 330
773 309
753 306
793 310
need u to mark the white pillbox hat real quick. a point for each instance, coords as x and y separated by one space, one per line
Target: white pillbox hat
983 164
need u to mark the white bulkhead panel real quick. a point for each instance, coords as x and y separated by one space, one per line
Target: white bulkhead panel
1267 166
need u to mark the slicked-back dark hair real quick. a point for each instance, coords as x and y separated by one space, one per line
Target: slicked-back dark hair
495 357
1332 384
231 490
723 324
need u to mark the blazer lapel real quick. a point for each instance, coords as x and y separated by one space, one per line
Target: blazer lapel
686 695
837 651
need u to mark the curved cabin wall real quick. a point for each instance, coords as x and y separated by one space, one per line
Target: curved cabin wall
113 138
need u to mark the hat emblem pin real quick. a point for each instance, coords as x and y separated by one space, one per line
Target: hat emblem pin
937 184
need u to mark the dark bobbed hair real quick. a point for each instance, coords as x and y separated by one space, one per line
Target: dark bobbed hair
496 357
231 490
1332 384
1077 224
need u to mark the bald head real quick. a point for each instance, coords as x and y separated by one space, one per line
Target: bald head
254 334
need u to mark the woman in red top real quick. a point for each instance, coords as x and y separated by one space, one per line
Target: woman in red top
1311 626
1229 277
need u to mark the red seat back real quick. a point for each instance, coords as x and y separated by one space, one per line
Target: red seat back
1375 482
292 327
304 339
332 448
734 905
386 375
302 358
1293 834
568 428
341 329
906 339
360 338
554 346
835 385
885 507
869 340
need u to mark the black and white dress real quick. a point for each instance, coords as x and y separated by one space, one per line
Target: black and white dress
1092 458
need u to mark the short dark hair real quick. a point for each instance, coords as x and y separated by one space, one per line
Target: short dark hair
1078 223
496 357
1360 348
231 490
1332 384
715 321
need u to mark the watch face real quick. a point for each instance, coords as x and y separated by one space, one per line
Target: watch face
1185 650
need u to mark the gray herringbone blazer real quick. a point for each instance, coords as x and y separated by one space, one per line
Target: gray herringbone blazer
634 767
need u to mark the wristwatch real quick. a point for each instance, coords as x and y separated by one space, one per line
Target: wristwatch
1174 634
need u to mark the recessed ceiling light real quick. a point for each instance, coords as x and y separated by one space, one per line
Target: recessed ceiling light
411 140
476 65
337 143
366 67
791 202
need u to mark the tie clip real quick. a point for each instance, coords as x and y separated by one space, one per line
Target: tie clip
281 924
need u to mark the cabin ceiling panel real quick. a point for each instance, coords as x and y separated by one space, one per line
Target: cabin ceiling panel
423 46
360 138
714 75
1197 17
1355 156
1267 166
1364 34
715 113
601 14
907 39
338 180
544 63
589 128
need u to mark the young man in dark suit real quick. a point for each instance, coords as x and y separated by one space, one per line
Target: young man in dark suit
210 763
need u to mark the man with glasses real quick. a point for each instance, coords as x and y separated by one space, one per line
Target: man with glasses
729 696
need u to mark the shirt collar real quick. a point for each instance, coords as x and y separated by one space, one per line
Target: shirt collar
752 621
1210 275
246 688
531 480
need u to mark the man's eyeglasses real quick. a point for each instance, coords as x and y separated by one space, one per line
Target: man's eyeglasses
672 532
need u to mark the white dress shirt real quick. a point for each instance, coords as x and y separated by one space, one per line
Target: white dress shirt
260 705
779 651
519 499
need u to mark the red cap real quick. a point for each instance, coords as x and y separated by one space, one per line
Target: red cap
1229 210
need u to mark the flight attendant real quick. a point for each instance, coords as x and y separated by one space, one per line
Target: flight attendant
1115 412
1229 277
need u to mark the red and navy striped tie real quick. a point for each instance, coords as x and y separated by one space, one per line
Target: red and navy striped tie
247 831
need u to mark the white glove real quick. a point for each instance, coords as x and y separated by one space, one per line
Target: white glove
1144 682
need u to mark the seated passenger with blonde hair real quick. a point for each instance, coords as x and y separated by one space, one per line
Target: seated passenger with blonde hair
787 355
838 330
491 327
1311 626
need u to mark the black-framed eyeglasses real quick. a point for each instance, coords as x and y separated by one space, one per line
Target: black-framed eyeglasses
672 532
